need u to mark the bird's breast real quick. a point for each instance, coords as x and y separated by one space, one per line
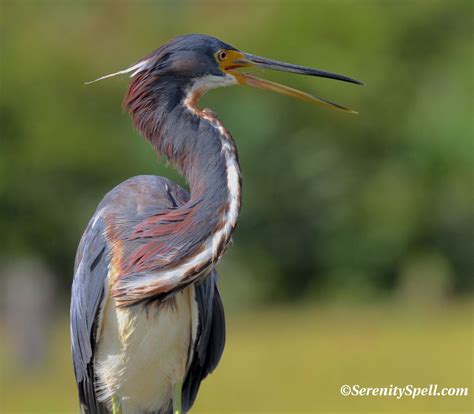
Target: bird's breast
142 352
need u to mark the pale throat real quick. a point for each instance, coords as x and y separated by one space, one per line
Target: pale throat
197 90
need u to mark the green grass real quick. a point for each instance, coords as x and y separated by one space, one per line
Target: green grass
294 360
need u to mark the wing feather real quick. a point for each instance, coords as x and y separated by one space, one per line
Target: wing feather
88 288
210 338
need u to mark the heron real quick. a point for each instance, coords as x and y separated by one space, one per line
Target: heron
146 318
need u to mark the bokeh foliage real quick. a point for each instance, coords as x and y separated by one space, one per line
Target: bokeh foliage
333 203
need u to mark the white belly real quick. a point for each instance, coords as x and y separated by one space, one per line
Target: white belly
143 352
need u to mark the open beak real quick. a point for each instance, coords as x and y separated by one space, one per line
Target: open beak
235 60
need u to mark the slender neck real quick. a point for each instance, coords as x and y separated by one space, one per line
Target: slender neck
197 144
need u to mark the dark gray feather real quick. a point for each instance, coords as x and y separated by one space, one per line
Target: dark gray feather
210 338
90 273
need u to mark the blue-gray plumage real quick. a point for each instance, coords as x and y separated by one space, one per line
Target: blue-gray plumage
147 321
90 272
91 268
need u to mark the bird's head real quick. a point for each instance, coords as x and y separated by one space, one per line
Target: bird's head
197 63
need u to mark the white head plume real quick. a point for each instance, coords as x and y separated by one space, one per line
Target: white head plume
138 67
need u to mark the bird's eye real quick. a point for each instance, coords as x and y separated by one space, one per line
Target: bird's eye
221 55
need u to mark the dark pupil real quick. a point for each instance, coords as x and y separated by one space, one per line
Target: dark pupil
223 55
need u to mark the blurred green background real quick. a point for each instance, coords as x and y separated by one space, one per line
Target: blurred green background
353 259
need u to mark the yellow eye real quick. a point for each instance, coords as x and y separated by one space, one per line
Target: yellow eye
222 55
